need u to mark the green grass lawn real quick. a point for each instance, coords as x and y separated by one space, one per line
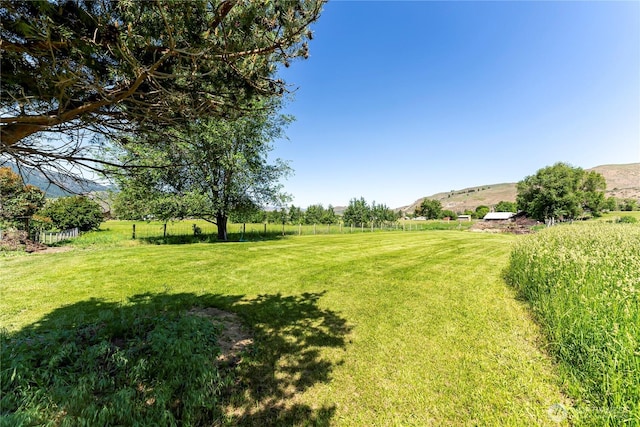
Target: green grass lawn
362 329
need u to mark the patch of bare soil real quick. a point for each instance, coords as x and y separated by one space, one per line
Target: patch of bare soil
19 240
55 249
519 225
232 340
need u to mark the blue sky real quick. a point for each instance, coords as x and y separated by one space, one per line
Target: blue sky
400 100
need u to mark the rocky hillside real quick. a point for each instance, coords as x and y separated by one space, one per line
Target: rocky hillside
623 182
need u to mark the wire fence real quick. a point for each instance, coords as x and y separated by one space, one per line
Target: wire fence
201 230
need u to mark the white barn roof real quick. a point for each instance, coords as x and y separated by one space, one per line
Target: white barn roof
498 215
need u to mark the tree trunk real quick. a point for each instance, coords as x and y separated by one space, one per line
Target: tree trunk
221 222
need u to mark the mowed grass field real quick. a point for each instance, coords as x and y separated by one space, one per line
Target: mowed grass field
385 328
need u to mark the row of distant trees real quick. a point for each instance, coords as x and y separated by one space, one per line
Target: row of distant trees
359 212
432 209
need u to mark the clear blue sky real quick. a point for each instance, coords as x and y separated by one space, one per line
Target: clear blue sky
400 100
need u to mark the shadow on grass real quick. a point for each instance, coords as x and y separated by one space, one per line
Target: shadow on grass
148 362
211 238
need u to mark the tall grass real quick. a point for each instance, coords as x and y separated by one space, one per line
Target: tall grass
583 281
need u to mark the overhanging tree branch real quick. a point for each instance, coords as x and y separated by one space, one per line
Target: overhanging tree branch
104 66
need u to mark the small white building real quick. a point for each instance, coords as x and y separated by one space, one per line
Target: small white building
498 216
464 217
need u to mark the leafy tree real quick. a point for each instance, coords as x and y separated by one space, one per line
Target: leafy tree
279 216
592 189
560 191
70 66
481 211
18 202
74 211
430 209
314 214
131 203
250 214
449 213
503 206
358 213
470 213
295 215
629 205
381 214
610 204
329 216
212 168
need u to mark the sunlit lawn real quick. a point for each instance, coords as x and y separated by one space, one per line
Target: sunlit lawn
384 328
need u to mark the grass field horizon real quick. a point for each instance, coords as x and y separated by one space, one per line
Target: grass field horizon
358 329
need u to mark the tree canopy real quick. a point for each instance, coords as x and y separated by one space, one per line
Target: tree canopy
95 66
18 202
359 213
504 206
561 191
214 168
430 209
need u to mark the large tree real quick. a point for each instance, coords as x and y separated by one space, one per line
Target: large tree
561 191
212 168
73 70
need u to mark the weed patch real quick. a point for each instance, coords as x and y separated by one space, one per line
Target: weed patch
583 282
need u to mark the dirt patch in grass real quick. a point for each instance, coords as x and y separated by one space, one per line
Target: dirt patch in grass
233 339
18 241
518 225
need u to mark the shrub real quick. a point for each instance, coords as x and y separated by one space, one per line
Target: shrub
17 201
627 219
75 211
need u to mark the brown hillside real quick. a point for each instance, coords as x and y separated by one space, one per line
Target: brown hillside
623 182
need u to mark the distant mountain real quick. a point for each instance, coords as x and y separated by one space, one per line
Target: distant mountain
71 186
623 182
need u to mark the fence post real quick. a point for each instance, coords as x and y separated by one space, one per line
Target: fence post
164 230
133 236
299 229
265 229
